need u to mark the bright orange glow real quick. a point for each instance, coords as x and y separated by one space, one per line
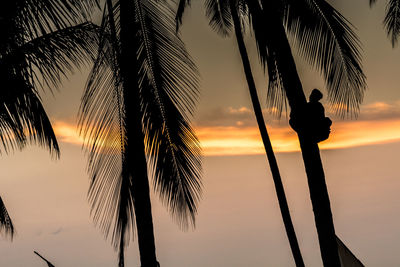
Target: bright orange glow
235 140
358 133
238 141
67 133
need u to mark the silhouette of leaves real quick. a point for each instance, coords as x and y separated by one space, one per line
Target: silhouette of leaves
219 15
392 21
327 40
179 12
37 49
6 225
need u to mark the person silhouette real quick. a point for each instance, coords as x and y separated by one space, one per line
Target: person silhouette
311 121
319 125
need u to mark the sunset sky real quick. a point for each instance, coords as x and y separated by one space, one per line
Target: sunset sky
238 222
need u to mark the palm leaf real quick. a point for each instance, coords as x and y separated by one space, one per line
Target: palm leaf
55 54
6 225
22 115
51 56
263 26
39 17
392 20
179 12
169 89
101 124
219 15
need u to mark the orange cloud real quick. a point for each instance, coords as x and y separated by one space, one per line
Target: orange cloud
67 133
236 141
239 140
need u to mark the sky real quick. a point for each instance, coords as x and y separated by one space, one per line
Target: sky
238 222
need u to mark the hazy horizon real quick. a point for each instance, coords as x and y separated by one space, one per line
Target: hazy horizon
238 223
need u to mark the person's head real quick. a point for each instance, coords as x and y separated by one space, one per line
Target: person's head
315 95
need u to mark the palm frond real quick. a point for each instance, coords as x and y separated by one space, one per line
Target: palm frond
328 42
263 27
102 125
39 17
55 54
169 91
51 56
220 16
35 50
23 117
179 12
392 21
6 225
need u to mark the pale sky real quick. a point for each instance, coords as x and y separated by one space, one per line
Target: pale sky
238 222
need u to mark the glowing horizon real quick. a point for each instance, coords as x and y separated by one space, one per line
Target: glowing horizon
237 140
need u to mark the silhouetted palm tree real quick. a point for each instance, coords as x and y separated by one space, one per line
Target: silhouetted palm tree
327 41
392 19
223 16
38 46
135 116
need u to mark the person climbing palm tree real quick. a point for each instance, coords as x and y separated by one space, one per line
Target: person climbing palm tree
313 121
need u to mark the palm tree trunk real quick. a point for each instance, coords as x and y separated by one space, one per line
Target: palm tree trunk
135 152
309 148
280 192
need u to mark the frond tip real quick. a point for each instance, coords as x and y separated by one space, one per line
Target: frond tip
392 21
179 13
6 225
220 16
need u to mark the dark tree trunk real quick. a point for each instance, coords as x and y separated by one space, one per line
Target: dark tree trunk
280 192
310 151
135 152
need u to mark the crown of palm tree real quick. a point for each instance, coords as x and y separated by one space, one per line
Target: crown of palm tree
167 90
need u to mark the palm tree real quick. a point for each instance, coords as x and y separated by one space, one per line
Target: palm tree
135 119
219 12
37 49
222 15
327 41
392 20
280 192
